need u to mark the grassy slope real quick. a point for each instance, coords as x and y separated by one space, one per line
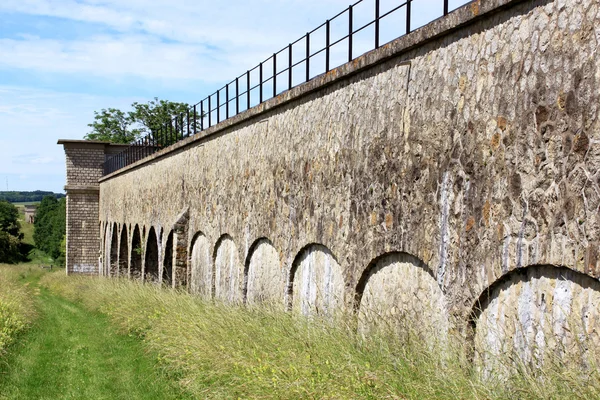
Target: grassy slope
72 353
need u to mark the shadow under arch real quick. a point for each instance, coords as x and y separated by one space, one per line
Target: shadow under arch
114 251
151 264
135 269
520 275
248 261
123 252
167 276
535 314
376 265
301 256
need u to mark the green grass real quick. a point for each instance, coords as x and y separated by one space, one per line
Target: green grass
71 353
16 306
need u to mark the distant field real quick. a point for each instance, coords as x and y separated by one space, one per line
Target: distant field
26 203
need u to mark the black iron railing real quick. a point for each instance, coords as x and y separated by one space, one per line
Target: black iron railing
293 65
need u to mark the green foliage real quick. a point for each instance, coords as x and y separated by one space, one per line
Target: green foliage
27 197
9 248
10 235
9 218
116 126
50 227
111 125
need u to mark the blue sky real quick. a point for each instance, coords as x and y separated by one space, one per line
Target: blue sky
60 60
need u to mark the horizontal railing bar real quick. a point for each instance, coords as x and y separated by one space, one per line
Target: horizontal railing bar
181 125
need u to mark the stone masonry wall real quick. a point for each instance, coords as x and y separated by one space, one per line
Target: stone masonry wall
470 147
84 168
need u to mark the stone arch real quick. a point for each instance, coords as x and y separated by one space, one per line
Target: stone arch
264 280
535 314
114 251
201 267
398 293
167 274
124 253
316 284
151 259
228 271
135 270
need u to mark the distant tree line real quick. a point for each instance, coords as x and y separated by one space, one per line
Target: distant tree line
10 233
26 197
50 227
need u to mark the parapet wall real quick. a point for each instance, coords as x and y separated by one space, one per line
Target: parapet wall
414 182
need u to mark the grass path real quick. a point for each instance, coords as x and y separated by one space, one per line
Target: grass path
73 354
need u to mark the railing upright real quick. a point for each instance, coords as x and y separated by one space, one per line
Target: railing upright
290 61
408 16
307 57
327 41
274 74
376 24
350 32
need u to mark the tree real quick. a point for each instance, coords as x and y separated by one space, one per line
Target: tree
111 125
10 236
9 219
50 227
152 118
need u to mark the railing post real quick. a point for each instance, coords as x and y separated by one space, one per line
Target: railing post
260 85
248 88
408 16
290 62
445 7
237 95
327 41
209 112
188 121
201 115
377 24
218 106
195 119
274 74
227 101
307 57
176 129
350 32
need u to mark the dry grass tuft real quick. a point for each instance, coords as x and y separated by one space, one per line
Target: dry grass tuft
219 351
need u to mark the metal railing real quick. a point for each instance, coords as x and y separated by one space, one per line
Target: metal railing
284 70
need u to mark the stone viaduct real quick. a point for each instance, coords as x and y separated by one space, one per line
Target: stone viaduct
450 178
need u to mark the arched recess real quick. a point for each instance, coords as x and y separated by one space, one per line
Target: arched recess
123 253
167 275
265 280
534 315
151 260
398 293
201 273
136 254
228 271
107 244
114 251
316 284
